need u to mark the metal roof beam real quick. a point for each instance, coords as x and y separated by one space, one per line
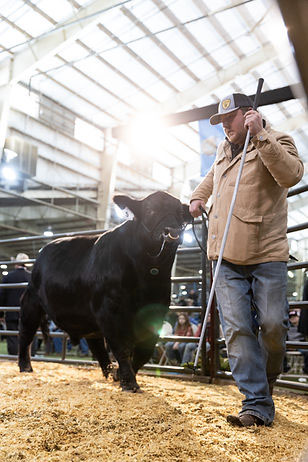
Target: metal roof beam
54 41
189 96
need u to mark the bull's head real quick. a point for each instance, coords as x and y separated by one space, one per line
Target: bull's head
161 216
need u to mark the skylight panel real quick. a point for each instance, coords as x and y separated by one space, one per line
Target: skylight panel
232 22
33 23
180 79
225 56
154 56
256 9
273 114
180 46
206 34
144 9
73 52
151 17
247 83
96 39
89 90
184 10
106 76
294 107
248 44
276 79
202 68
120 25
215 5
48 64
119 58
159 90
10 36
58 10
139 100
10 9
130 66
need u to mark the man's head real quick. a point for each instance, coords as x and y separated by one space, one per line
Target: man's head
231 112
294 317
20 258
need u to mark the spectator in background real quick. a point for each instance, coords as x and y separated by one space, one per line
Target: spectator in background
193 296
174 350
295 336
11 297
303 321
58 342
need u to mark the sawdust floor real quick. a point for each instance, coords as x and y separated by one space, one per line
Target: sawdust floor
63 413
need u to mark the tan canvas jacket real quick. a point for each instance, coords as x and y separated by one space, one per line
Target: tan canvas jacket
259 221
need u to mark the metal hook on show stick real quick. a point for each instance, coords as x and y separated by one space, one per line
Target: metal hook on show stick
225 235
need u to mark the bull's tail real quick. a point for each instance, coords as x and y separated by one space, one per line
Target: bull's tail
45 328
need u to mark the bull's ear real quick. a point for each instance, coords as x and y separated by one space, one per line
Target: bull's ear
127 202
186 215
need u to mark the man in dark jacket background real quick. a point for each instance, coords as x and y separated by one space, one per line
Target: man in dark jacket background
11 297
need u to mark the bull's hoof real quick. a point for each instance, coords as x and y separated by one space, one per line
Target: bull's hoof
115 374
25 369
131 388
108 370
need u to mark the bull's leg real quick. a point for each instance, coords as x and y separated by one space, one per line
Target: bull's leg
97 346
30 317
143 352
126 371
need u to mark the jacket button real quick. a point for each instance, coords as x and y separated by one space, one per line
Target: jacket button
218 194
213 236
215 216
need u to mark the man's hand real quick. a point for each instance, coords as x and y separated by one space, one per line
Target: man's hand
194 207
253 121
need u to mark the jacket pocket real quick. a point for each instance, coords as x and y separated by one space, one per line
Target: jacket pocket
243 238
249 170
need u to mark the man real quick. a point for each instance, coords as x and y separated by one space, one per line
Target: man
11 297
254 266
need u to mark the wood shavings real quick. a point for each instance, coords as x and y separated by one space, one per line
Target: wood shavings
69 414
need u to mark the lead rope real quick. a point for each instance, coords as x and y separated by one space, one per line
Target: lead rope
203 215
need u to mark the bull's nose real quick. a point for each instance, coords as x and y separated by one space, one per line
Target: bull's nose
172 233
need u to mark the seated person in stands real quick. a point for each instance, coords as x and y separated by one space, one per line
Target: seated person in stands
175 350
295 336
191 347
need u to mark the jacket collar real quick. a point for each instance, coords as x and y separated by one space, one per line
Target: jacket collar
231 150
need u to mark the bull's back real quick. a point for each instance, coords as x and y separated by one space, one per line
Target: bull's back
60 280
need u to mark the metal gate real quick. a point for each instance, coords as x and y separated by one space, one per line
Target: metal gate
209 369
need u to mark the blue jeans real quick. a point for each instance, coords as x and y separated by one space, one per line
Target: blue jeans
255 358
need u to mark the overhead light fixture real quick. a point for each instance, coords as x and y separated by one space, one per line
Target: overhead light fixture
8 173
48 232
9 154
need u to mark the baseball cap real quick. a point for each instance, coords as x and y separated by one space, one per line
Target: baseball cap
229 104
293 313
22 257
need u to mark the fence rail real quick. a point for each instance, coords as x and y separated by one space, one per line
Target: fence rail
213 338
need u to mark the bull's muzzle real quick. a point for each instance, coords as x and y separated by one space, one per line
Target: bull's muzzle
171 235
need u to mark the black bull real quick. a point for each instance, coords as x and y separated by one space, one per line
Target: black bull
113 288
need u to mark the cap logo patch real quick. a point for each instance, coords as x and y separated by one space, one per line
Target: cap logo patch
226 103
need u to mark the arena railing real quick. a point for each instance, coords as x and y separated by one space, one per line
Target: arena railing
210 367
